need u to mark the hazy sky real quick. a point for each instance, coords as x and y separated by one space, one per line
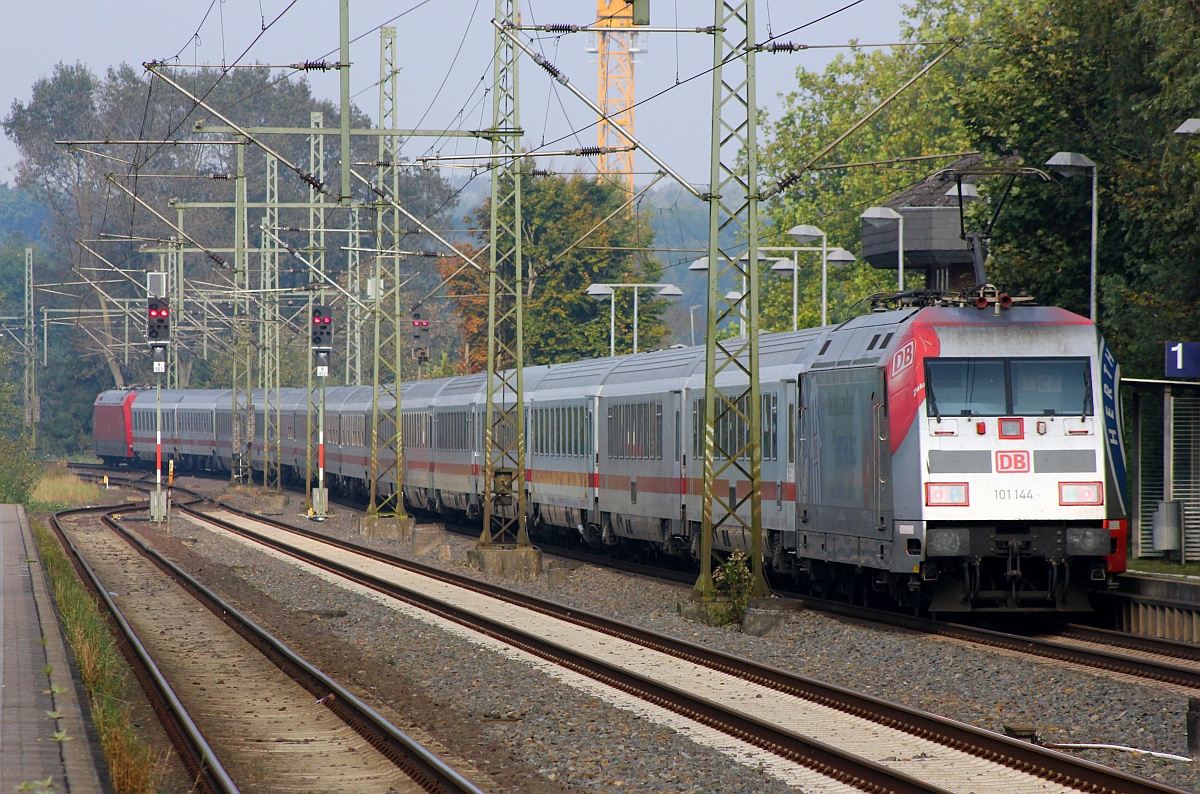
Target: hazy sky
445 49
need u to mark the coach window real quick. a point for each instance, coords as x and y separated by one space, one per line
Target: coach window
658 431
570 411
791 436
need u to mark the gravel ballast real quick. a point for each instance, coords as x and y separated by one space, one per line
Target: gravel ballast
523 731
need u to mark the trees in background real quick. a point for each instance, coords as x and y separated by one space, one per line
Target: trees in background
1030 78
1026 79
1111 81
78 195
19 471
562 322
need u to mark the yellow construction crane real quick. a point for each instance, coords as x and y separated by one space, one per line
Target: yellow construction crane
615 49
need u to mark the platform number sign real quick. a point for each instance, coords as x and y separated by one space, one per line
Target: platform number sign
1183 360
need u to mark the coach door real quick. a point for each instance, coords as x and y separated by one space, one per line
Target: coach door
476 445
881 460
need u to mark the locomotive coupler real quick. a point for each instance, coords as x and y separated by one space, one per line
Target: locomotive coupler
1013 574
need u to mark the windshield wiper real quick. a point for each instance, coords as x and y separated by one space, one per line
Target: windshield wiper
931 398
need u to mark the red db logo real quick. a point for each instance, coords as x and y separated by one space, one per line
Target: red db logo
1012 462
903 358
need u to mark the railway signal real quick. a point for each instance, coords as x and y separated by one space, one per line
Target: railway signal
158 320
322 327
420 330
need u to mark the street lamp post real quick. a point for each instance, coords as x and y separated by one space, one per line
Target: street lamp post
1069 164
701 265
601 291
876 216
692 319
840 257
803 234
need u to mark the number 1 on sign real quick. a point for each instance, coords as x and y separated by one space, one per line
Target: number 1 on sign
1177 349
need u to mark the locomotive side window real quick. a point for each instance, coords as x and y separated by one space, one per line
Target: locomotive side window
1007 387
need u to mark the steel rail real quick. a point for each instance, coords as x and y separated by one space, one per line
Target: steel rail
1187 651
423 767
1043 647
1020 755
826 759
202 764
997 747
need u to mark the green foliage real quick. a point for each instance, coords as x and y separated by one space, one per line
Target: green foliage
21 216
734 585
80 202
922 121
561 322
18 470
1031 78
1110 81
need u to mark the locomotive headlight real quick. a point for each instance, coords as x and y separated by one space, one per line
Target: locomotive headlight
1080 493
1087 541
947 542
942 494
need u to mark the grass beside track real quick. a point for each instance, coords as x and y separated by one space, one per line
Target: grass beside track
59 488
133 766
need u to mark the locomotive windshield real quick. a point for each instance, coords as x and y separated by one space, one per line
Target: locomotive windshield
1007 387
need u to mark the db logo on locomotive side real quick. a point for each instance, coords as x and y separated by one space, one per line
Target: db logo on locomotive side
903 358
1012 462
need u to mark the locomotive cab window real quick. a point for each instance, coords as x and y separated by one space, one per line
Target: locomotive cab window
1008 387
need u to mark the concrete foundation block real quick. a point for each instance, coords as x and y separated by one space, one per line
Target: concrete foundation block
708 613
765 616
274 502
445 553
559 571
427 537
388 527
518 563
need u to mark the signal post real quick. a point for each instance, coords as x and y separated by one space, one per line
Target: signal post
321 337
158 332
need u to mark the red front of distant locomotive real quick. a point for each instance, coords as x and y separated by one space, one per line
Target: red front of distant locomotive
112 425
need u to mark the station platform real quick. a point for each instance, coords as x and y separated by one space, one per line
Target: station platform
46 738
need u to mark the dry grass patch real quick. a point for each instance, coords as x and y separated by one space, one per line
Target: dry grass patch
59 488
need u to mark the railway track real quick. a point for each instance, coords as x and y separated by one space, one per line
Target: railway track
729 702
1150 658
240 707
